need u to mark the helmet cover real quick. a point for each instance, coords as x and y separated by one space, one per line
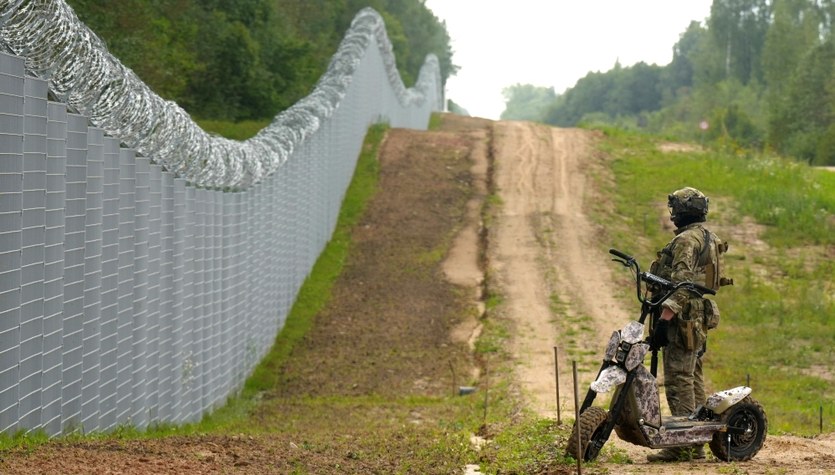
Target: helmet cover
687 204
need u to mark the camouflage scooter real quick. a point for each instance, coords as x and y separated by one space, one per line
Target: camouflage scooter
732 422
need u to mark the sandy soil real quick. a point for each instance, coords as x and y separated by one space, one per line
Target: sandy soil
544 245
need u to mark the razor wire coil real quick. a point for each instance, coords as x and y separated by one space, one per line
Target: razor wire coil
81 72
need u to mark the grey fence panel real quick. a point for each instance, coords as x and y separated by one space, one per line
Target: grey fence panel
33 217
180 339
74 246
11 226
91 348
168 318
240 293
109 328
125 296
188 363
152 349
214 365
56 169
143 274
254 221
139 324
200 317
288 179
227 245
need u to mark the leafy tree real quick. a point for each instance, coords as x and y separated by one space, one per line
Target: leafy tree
152 38
738 28
527 102
808 109
793 31
249 59
618 92
679 73
233 84
588 95
825 153
636 89
732 125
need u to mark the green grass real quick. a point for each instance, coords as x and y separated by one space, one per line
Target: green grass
777 320
524 447
436 120
794 201
315 291
233 130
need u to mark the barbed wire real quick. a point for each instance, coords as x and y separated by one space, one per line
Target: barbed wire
81 72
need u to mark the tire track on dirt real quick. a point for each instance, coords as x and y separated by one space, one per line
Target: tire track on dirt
542 254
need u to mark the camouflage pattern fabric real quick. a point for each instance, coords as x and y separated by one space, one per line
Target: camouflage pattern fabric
679 262
683 377
687 332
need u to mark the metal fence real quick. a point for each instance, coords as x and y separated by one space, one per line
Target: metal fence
133 289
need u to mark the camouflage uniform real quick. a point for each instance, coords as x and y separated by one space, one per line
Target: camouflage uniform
692 256
687 258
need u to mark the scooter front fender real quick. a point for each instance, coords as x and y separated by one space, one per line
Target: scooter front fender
609 378
723 400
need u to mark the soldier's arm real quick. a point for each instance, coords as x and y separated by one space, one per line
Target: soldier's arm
685 262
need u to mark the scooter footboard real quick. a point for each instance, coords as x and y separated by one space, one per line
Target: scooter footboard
678 434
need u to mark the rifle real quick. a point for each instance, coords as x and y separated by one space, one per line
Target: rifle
658 339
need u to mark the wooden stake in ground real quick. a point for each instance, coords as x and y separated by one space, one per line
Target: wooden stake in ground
577 421
454 380
557 379
486 387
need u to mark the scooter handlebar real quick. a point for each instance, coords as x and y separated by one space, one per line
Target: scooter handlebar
620 254
666 284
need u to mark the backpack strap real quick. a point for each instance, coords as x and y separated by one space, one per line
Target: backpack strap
704 255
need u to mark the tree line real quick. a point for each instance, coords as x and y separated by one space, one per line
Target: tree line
250 59
756 73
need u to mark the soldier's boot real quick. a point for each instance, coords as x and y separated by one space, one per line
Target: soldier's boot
672 454
698 452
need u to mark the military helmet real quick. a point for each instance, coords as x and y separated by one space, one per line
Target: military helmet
687 204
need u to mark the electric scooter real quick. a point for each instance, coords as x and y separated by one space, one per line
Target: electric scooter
732 422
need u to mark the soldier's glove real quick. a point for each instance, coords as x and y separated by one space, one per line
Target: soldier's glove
659 334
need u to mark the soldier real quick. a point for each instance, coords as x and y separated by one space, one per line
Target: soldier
693 255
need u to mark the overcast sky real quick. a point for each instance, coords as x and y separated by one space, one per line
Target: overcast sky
553 43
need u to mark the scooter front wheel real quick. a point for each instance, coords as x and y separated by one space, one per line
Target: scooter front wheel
748 425
590 424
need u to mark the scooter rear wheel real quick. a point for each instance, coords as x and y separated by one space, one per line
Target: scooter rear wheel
749 416
591 422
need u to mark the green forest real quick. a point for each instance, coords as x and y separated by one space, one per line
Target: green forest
757 74
250 59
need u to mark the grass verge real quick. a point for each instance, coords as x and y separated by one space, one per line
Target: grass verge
233 130
778 215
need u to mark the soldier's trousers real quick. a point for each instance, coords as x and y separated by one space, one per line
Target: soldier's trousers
683 379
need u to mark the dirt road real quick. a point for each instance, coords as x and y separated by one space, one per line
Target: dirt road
543 251
559 288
